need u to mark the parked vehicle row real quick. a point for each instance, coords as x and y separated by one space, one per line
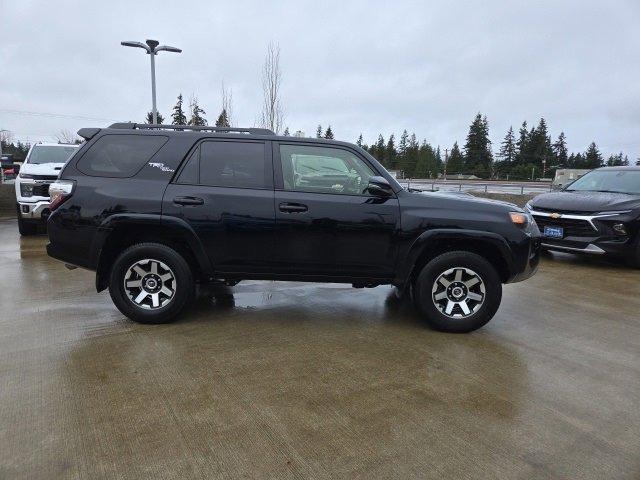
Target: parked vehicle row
155 210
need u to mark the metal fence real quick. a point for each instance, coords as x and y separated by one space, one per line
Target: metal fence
514 188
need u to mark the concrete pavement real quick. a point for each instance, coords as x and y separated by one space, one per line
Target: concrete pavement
287 380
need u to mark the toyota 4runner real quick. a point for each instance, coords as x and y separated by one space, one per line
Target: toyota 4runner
155 210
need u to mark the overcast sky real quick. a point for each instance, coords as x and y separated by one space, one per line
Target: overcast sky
370 67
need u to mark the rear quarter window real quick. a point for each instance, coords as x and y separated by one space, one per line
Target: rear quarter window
119 155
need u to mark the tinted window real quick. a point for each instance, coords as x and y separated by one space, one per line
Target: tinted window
119 155
323 170
51 154
189 173
233 164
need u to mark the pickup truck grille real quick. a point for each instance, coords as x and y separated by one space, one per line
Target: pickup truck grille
41 190
572 227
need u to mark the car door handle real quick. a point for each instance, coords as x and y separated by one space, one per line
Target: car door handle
188 201
293 208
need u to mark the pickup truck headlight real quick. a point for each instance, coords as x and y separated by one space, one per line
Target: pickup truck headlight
26 189
25 175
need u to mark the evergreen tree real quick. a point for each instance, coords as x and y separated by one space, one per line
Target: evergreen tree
508 147
402 152
359 141
380 150
319 131
390 153
522 143
178 117
478 156
328 133
592 157
455 162
149 119
197 119
617 160
540 144
286 132
560 150
223 119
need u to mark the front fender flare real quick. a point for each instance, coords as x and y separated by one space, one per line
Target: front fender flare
429 237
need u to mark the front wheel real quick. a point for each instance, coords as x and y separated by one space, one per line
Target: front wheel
151 283
458 292
24 227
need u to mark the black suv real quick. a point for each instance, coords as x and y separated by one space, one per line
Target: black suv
156 209
598 214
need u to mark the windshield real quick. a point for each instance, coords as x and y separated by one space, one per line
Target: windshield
51 154
615 181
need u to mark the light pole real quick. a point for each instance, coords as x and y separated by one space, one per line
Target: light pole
2 169
152 49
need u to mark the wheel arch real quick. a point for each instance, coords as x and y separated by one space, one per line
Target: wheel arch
432 243
119 232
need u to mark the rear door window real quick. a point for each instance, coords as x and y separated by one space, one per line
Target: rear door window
234 164
119 155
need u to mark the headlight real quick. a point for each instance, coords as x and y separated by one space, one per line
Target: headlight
25 175
26 189
619 228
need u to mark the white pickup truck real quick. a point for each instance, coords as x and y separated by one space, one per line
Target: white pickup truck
41 168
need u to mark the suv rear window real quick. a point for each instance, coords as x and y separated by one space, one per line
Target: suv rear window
119 155
233 164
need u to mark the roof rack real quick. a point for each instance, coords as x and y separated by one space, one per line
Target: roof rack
145 126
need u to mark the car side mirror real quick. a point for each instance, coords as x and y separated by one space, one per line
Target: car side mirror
379 186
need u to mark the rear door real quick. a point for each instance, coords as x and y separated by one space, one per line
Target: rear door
225 192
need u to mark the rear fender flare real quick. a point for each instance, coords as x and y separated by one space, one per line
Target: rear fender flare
177 227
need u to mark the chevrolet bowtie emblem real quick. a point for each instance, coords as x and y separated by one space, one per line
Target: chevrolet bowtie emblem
555 215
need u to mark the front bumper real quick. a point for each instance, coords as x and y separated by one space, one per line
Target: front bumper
529 257
590 234
37 211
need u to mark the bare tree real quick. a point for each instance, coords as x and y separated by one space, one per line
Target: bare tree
227 103
6 137
272 111
65 136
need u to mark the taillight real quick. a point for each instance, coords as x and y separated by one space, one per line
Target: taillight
59 191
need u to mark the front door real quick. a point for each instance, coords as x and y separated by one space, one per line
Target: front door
327 224
225 192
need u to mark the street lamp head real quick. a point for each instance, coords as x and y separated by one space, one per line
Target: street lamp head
153 44
135 44
167 48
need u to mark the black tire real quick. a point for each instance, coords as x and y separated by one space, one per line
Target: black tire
453 261
24 227
182 283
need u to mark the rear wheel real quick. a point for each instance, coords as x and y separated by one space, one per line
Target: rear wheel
151 283
458 292
25 227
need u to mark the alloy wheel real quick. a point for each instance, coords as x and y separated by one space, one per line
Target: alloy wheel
150 284
458 292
